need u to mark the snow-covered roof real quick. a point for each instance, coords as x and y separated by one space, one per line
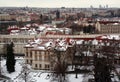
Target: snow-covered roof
41 48
95 42
28 25
63 44
50 43
24 28
41 28
60 44
79 41
13 31
112 36
37 40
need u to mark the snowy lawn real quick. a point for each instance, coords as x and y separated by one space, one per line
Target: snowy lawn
13 75
33 75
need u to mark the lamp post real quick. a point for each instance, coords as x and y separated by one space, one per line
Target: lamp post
0 64
25 70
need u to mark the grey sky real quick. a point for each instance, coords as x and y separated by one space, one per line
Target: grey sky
59 3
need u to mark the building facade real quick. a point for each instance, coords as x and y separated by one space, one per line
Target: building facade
5 17
19 41
111 28
45 59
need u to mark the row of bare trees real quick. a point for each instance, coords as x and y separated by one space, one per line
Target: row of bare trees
103 56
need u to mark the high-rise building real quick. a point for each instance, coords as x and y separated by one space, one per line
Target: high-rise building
91 6
57 14
100 6
106 6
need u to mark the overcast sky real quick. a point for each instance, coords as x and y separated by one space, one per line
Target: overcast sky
59 3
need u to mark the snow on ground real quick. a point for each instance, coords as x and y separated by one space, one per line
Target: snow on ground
33 75
44 77
18 68
41 75
73 79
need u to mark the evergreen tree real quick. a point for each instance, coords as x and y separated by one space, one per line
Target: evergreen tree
10 62
102 70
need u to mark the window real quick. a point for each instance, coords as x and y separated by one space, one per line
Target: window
35 56
45 57
26 40
40 57
26 61
26 49
47 66
14 40
30 54
35 52
30 61
40 65
26 54
39 52
42 53
35 65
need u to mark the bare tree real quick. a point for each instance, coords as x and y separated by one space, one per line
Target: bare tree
60 66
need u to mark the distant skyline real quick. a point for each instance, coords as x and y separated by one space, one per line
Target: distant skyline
59 3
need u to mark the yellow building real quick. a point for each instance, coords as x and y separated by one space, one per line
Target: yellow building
5 17
19 41
38 59
42 57
108 28
45 59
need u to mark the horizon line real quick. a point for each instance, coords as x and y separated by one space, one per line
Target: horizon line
57 7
